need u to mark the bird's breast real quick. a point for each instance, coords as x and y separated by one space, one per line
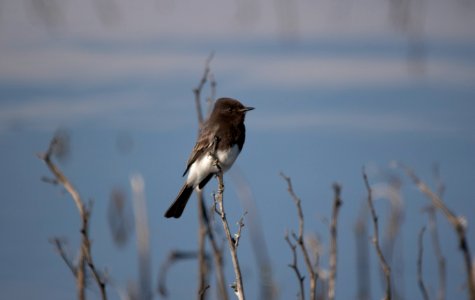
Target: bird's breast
227 157
205 165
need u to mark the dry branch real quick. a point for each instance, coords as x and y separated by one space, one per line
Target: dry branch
420 253
458 223
217 252
333 244
382 260
431 210
295 267
199 88
299 238
239 288
59 245
85 257
438 252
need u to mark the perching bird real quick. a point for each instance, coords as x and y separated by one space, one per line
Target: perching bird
221 136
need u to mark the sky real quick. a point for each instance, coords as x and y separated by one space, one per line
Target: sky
336 87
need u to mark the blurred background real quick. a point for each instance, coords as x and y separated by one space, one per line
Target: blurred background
337 85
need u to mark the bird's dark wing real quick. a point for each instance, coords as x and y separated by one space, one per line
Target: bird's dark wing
203 144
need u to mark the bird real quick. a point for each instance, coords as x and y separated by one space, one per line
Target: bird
219 142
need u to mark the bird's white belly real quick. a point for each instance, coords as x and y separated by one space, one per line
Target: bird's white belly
204 166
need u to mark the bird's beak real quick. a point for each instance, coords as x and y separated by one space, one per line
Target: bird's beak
245 109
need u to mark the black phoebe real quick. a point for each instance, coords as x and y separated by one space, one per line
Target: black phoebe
221 137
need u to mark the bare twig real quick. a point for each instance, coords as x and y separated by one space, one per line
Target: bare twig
81 269
237 236
420 279
210 99
388 240
197 90
218 198
239 288
202 292
333 245
295 267
382 260
217 253
59 245
86 249
431 211
85 257
60 178
458 223
299 238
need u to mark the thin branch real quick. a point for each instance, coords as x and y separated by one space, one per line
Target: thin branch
297 202
295 267
202 292
60 178
420 279
197 90
299 238
382 260
210 99
458 223
86 248
59 245
239 288
333 245
85 257
431 210
237 236
217 252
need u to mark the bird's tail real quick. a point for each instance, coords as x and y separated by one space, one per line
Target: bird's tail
176 209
